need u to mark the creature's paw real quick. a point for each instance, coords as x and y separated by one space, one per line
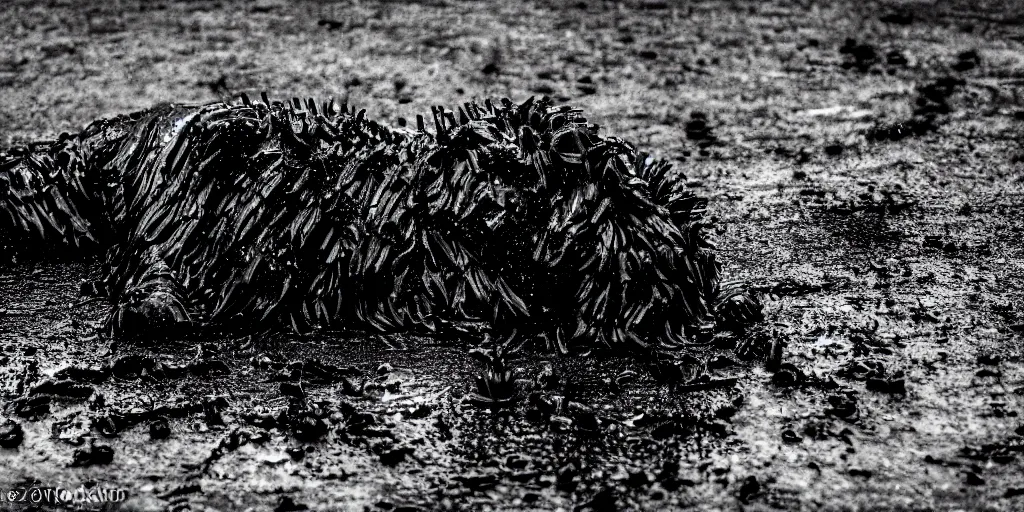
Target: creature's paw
737 307
154 315
151 305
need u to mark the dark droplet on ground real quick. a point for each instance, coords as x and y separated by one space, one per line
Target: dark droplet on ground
11 434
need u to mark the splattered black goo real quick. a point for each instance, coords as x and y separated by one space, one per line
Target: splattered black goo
300 215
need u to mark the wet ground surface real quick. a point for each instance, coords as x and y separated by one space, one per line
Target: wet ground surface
864 165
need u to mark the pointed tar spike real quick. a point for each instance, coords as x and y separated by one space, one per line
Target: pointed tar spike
438 120
265 98
419 123
331 108
489 105
463 118
529 141
451 119
439 125
532 100
296 104
361 115
471 110
245 99
311 105
527 114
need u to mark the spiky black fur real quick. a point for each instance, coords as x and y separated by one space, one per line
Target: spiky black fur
308 215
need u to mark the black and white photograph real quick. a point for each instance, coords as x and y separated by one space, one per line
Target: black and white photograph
537 255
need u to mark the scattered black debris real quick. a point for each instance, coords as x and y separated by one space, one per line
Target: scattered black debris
293 390
913 127
31 407
748 489
860 55
395 455
288 504
790 436
892 386
967 61
604 500
952 247
149 368
861 369
653 5
887 199
1000 452
492 68
843 405
82 374
330 24
789 375
92 455
932 102
567 476
159 428
898 17
306 425
896 58
11 434
990 359
933 97
106 425
586 85
478 481
792 287
834 149
182 490
973 478
66 388
698 130
705 382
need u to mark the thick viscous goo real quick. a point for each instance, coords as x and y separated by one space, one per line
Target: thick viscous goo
306 216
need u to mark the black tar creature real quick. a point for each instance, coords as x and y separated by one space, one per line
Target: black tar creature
302 215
